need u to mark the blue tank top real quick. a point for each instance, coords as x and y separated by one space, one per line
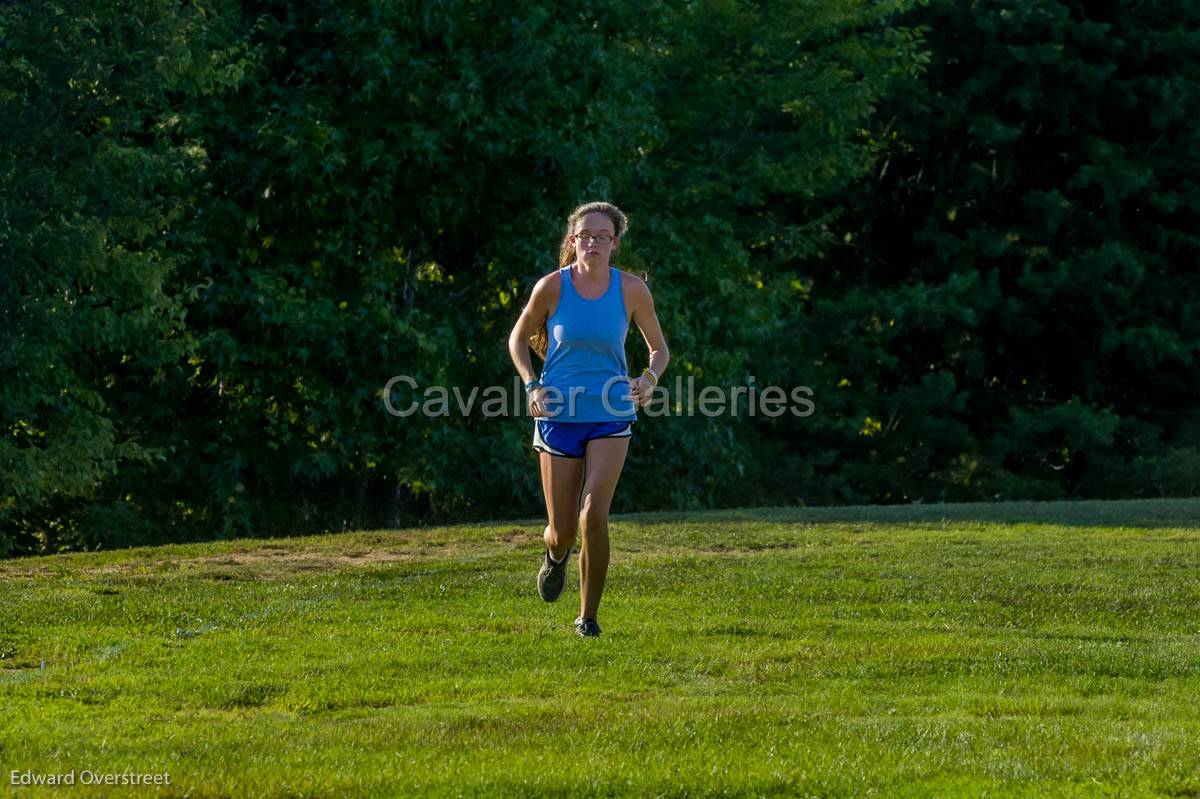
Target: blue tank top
586 349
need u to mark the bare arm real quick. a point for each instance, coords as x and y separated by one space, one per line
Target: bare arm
534 313
656 343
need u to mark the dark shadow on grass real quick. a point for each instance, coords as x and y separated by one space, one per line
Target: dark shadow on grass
1141 513
1098 637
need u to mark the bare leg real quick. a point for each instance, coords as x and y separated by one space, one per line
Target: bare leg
561 479
602 469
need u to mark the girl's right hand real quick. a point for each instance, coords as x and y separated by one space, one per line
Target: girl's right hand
535 401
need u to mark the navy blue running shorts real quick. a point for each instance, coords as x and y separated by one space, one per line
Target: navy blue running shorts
569 439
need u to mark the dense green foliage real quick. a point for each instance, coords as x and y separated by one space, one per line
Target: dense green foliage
224 226
93 336
1019 651
1017 300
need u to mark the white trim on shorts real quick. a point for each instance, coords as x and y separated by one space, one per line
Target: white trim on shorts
540 444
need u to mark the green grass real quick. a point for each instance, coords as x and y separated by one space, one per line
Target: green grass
972 650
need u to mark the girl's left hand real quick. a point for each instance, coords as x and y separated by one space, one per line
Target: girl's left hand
641 389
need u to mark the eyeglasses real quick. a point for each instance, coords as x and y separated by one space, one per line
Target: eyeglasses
603 238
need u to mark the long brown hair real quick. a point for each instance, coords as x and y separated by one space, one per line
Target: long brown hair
539 342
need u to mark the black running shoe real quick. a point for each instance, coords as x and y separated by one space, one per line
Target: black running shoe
587 627
552 577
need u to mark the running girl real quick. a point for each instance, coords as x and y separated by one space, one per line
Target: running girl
583 403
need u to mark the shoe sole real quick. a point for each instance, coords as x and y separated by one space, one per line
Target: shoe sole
545 574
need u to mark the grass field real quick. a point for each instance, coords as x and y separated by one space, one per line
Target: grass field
961 650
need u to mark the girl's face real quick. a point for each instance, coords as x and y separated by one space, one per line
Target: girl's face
594 240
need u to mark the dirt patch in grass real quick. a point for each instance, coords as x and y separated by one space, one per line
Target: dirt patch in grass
249 564
269 562
518 536
252 563
273 561
7 570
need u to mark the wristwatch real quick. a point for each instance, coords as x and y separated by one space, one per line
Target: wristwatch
532 384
